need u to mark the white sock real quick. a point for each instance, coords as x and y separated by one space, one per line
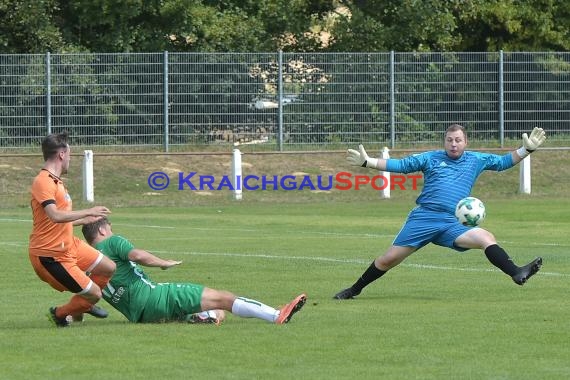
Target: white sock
248 308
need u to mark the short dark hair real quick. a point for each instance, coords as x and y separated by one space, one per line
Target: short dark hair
52 143
91 230
455 128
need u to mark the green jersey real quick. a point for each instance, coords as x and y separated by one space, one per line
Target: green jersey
136 296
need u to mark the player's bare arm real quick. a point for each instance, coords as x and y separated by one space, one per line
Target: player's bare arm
63 216
86 220
147 259
92 218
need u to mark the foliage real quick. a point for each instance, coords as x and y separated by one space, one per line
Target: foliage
408 25
298 77
269 25
29 26
454 25
531 25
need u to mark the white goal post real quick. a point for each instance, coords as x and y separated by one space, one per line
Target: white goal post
87 169
236 174
385 193
524 175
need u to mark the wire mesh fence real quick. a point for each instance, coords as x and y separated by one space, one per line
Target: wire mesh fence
280 101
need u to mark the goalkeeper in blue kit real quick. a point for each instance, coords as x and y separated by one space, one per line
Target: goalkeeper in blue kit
449 176
139 299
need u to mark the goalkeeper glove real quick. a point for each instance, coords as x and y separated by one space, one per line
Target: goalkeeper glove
537 137
530 144
360 158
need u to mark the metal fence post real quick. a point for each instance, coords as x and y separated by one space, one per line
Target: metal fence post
501 101
165 98
392 102
48 93
280 100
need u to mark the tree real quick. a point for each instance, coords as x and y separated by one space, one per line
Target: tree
108 26
453 25
402 25
531 25
249 25
27 27
189 25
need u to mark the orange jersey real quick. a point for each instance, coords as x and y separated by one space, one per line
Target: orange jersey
48 238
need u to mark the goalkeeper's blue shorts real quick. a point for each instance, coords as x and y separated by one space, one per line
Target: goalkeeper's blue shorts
425 226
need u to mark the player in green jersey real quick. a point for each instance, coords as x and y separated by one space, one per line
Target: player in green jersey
138 298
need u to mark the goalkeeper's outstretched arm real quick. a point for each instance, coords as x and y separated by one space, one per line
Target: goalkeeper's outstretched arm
530 144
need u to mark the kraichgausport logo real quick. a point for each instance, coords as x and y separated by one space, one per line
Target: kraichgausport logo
342 181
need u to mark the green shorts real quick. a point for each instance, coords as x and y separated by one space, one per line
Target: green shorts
172 302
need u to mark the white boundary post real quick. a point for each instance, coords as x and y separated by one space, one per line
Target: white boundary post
524 176
88 191
237 174
385 193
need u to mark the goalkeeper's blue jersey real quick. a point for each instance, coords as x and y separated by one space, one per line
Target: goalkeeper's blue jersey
447 181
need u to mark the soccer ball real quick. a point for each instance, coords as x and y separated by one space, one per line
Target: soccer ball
470 211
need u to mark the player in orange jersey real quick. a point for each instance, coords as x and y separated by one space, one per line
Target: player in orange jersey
65 262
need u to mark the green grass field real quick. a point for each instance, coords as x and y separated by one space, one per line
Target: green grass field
440 315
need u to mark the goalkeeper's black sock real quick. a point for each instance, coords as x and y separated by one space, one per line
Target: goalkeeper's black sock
371 274
499 258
